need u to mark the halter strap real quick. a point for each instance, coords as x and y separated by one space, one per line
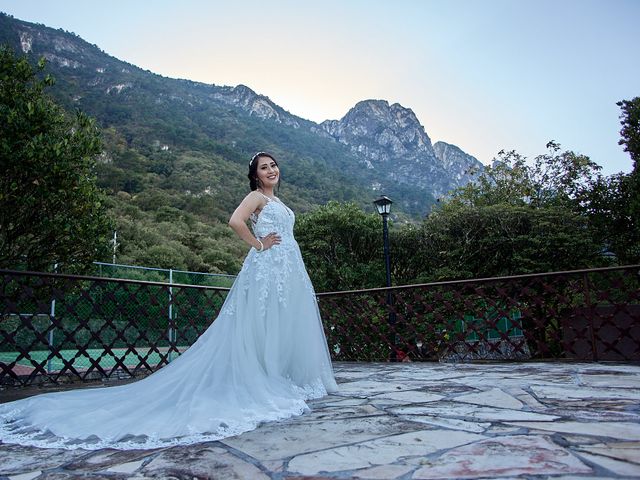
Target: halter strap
268 198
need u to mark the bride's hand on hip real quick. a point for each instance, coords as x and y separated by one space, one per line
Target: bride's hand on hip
270 240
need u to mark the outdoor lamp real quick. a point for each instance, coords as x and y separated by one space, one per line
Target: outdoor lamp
383 204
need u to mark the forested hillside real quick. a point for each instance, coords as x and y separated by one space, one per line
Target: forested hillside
175 155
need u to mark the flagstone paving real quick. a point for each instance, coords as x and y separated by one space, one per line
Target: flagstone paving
406 421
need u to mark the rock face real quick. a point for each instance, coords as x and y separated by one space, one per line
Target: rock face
459 164
389 138
243 97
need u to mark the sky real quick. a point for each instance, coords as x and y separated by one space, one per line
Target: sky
485 75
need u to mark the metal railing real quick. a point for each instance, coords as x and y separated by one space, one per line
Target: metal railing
56 327
168 275
577 315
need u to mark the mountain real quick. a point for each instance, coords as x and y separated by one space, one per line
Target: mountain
147 114
176 151
390 139
387 140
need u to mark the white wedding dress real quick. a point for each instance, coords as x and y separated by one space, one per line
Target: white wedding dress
259 361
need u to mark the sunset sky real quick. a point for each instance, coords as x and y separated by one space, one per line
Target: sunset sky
484 75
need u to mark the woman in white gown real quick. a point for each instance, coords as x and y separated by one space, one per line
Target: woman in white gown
263 356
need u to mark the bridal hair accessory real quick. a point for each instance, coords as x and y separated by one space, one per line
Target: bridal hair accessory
259 154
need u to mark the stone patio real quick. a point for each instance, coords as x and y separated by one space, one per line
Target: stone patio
407 421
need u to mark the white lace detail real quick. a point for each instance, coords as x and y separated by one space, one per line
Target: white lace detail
259 361
275 264
13 431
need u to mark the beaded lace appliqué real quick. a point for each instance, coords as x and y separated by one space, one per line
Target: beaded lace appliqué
276 264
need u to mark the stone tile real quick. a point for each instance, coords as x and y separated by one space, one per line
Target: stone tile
362 371
429 375
594 412
103 459
350 375
338 412
572 392
548 379
336 402
16 459
620 380
604 368
503 457
379 452
129 467
274 466
25 476
383 472
365 388
626 451
445 389
411 396
65 475
449 423
528 400
573 440
325 400
492 398
615 466
581 477
466 411
275 441
201 461
498 429
617 430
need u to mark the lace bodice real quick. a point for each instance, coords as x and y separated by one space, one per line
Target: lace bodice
275 216
278 264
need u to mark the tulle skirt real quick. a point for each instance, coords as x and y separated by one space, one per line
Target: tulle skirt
259 361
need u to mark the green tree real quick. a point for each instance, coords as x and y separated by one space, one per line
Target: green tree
503 239
507 181
611 216
515 218
555 178
50 208
630 133
342 247
614 202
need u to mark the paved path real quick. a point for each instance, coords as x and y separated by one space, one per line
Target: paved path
407 421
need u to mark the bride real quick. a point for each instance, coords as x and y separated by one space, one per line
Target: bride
259 361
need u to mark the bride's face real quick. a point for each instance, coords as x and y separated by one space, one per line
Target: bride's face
268 172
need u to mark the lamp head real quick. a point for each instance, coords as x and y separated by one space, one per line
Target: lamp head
383 204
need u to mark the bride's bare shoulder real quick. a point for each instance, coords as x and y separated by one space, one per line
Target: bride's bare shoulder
253 201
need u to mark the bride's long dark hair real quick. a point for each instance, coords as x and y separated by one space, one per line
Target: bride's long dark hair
254 183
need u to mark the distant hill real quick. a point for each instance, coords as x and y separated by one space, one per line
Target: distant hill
183 146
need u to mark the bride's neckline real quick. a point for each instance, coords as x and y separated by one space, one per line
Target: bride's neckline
255 216
274 198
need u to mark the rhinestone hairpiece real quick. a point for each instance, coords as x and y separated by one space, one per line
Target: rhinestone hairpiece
259 154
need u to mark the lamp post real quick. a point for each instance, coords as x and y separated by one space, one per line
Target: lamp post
383 205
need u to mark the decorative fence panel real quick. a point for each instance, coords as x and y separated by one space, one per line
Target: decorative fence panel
579 315
60 327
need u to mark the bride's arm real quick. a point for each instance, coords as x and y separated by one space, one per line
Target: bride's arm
238 222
